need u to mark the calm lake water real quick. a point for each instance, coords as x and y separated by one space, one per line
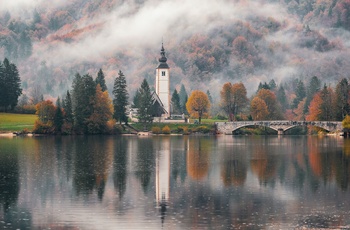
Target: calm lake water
181 182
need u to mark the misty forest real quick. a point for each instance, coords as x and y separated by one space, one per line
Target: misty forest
294 49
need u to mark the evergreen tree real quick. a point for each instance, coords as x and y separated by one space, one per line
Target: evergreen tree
312 88
58 118
300 94
282 98
10 85
145 103
175 99
342 98
84 89
100 79
183 99
68 108
209 97
327 106
120 100
136 100
272 84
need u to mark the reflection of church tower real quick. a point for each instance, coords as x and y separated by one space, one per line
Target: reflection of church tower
163 82
163 176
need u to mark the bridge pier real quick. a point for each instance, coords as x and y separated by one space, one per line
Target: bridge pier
280 132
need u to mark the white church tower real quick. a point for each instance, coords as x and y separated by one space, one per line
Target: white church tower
163 82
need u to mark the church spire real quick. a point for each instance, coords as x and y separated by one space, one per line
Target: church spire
163 59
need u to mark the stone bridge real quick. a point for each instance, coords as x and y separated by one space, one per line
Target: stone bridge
279 126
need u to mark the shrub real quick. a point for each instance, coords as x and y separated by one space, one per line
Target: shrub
155 130
43 128
203 129
183 129
166 130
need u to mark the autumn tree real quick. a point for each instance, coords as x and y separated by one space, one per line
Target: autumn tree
239 94
271 102
258 109
226 102
175 100
45 111
198 104
120 100
102 112
315 108
342 99
100 79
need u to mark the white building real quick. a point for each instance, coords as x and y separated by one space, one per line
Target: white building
163 82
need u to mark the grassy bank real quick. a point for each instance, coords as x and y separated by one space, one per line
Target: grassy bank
11 122
181 128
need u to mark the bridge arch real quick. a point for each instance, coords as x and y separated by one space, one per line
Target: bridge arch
279 126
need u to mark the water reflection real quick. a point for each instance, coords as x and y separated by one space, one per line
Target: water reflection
174 182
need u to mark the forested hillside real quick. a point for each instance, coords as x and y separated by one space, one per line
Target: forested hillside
207 42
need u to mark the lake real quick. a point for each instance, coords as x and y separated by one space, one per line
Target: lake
174 182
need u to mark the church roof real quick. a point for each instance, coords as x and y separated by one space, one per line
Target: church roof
162 60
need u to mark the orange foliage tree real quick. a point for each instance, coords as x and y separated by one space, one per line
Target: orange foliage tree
315 108
258 109
271 102
233 98
198 104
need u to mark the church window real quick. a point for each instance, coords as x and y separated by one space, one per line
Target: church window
163 73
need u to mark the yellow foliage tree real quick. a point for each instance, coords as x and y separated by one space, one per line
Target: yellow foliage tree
258 109
102 112
198 104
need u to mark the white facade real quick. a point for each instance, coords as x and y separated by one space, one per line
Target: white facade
163 87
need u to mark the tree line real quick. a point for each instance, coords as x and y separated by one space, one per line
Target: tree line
310 101
86 109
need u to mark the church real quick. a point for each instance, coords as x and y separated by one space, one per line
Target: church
161 96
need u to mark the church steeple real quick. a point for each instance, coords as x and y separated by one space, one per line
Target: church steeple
162 59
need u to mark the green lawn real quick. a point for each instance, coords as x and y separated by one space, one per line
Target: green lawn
11 122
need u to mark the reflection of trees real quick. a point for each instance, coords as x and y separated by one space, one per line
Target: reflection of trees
233 172
198 158
93 156
263 165
120 160
145 161
9 174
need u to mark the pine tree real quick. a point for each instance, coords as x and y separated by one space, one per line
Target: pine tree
342 98
68 108
10 85
282 98
183 98
209 96
145 103
100 79
136 100
272 85
300 94
84 90
58 118
175 100
120 100
312 88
